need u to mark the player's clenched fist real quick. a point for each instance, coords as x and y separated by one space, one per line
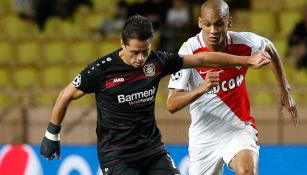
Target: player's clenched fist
50 146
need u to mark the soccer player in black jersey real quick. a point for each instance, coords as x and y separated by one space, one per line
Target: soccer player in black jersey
125 83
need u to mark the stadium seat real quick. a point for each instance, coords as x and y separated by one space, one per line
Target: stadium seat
5 78
56 51
288 20
240 19
107 46
59 28
263 23
26 77
263 98
69 28
94 20
266 5
45 99
54 76
299 97
83 51
269 78
29 52
281 45
290 4
7 52
15 27
6 100
255 77
300 77
74 70
108 6
87 100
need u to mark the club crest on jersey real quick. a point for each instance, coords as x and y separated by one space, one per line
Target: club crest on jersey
77 81
149 70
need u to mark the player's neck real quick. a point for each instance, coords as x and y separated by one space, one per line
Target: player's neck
222 47
122 57
218 48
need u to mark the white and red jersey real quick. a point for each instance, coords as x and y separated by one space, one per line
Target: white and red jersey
226 107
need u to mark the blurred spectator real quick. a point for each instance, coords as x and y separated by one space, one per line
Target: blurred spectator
154 10
178 14
298 42
177 26
44 9
23 5
115 24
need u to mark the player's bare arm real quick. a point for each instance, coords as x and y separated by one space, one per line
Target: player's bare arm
50 147
218 59
68 94
178 98
286 99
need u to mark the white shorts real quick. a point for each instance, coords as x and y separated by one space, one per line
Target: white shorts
211 157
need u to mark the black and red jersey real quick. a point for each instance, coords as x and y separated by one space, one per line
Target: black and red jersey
125 99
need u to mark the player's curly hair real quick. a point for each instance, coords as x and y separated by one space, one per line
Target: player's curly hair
137 27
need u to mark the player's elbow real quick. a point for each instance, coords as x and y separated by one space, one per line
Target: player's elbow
171 107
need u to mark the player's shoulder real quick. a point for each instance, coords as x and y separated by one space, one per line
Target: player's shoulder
102 63
161 55
194 42
247 36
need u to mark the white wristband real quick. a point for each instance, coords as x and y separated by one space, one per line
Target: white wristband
53 137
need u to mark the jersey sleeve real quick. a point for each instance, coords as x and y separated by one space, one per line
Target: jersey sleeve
179 80
258 43
89 79
171 62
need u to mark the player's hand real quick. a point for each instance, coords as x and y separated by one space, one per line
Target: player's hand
50 146
287 101
259 59
212 79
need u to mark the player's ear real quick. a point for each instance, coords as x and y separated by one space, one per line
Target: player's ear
122 43
230 21
199 22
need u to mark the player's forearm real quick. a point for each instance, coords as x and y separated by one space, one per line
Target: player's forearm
179 99
218 59
60 108
277 67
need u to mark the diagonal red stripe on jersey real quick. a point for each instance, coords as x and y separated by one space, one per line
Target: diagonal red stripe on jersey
119 79
232 89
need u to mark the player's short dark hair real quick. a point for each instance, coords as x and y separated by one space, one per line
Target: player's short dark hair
137 27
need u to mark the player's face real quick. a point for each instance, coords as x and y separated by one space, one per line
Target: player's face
214 25
136 52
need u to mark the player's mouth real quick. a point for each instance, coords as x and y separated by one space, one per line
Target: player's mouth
214 39
138 64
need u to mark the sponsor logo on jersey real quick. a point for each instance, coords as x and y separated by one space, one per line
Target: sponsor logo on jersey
138 97
176 76
227 85
77 81
149 70
117 80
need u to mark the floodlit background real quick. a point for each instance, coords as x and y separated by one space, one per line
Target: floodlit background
43 47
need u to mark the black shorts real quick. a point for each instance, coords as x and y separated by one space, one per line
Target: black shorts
154 165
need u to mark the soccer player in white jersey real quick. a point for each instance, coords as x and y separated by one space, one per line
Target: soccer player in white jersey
222 129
